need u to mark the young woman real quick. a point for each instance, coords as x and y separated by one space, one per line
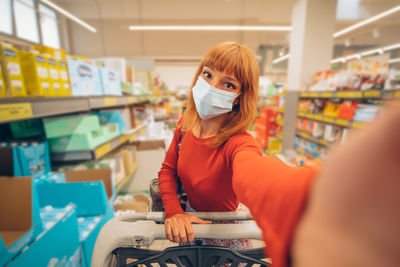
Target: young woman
218 157
220 165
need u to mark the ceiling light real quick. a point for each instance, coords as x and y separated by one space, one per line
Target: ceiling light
391 47
209 28
69 15
394 60
337 60
371 52
281 59
367 21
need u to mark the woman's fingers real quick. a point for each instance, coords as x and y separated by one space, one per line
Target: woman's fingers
189 231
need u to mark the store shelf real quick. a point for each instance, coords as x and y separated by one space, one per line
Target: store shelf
330 120
99 151
310 138
307 153
22 108
368 94
126 179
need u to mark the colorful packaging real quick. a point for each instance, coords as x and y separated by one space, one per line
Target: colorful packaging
58 54
84 78
110 82
12 70
36 74
64 78
55 84
3 92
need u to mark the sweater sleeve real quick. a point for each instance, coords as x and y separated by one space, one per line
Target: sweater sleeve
275 193
166 178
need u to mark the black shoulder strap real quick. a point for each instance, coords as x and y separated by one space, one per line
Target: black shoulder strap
180 142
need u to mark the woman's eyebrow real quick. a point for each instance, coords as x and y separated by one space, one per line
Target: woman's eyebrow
231 78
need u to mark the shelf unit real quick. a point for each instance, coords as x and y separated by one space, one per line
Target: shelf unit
309 137
127 178
99 151
22 108
368 94
307 153
331 120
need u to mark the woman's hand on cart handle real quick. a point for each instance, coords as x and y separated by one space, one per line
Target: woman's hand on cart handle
179 227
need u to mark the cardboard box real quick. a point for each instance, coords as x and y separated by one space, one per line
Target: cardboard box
12 74
128 163
139 202
117 64
110 82
70 125
85 80
111 116
20 222
89 228
64 78
27 128
56 244
119 170
149 144
90 191
54 78
3 91
36 74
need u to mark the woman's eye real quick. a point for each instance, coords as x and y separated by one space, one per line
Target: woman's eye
206 74
230 86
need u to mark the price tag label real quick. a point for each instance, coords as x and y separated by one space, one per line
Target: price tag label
302 114
102 150
323 142
301 150
396 94
372 94
15 111
132 100
110 101
319 117
314 94
123 138
357 124
329 120
350 94
342 122
305 135
327 94
304 94
132 137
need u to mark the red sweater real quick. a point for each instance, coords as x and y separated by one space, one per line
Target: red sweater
216 179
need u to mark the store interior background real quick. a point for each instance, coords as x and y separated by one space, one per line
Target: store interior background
291 119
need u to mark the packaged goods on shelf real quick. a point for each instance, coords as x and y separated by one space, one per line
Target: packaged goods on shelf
3 90
58 54
84 77
117 64
64 78
77 142
25 159
393 80
58 224
55 81
27 128
110 82
36 74
366 113
12 74
112 116
20 215
70 125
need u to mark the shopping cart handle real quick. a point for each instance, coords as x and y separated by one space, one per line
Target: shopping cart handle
118 233
160 216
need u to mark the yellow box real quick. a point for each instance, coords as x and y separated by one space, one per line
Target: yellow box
36 74
55 82
3 92
64 78
58 54
12 73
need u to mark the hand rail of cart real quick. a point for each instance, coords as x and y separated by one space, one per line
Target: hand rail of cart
141 229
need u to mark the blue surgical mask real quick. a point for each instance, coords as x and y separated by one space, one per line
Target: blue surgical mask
210 101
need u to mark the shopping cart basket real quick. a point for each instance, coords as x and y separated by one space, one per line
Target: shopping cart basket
121 238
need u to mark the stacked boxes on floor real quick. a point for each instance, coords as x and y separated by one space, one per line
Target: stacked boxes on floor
12 73
76 133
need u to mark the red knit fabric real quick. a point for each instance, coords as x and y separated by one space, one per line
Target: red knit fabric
216 179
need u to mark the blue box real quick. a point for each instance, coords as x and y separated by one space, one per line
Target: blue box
89 229
110 81
56 244
112 116
76 259
21 222
89 190
84 78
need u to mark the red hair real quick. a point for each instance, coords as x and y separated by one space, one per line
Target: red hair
239 61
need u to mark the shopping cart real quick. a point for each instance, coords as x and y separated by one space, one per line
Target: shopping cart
122 238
